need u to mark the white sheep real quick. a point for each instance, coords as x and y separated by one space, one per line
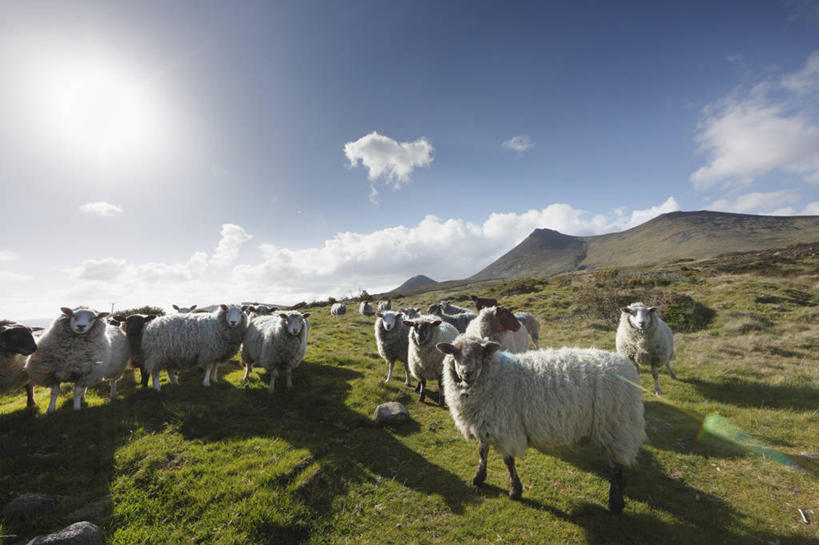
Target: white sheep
338 309
532 326
204 340
184 310
365 308
384 306
16 343
500 325
449 308
543 399
74 349
460 321
392 341
276 343
645 339
424 358
410 313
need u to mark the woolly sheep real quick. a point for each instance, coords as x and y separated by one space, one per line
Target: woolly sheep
543 399
184 310
645 339
259 310
338 309
384 305
532 326
424 359
16 343
449 308
392 341
365 308
410 313
73 349
460 321
180 341
500 325
276 343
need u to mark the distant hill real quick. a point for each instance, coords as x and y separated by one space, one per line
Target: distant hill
419 281
672 236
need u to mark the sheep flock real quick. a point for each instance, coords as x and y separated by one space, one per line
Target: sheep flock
499 390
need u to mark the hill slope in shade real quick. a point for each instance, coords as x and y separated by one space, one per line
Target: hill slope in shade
672 236
418 281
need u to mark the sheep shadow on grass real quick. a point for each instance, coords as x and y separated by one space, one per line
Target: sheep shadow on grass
742 393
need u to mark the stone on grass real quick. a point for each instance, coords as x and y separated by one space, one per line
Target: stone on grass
27 508
79 533
391 413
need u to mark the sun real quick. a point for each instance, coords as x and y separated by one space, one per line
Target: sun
101 111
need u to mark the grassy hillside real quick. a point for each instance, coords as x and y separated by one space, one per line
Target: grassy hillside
668 237
231 464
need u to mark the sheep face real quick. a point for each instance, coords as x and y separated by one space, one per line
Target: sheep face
640 316
82 320
294 323
434 309
234 316
507 319
469 356
184 310
18 339
134 323
424 330
411 312
388 319
263 310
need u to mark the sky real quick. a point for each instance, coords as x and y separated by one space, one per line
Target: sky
205 152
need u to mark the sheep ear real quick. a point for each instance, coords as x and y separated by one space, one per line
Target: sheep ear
274 309
379 314
67 311
625 310
446 348
193 307
223 307
491 347
102 315
150 317
474 298
306 315
436 323
652 309
175 307
283 316
248 307
36 328
408 323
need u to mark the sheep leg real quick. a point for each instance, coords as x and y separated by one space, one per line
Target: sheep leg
480 474
113 389
422 383
206 380
55 393
155 378
417 388
536 341
407 380
248 365
617 483
670 370
390 365
143 378
441 397
654 373
289 378
172 376
215 374
273 375
515 488
30 396
78 395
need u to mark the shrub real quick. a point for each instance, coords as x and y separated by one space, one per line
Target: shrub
364 296
518 287
331 300
147 309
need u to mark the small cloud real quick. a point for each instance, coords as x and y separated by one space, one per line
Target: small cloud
232 238
105 270
519 143
100 208
388 159
8 256
757 202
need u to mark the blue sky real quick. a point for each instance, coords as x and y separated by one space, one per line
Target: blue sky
195 152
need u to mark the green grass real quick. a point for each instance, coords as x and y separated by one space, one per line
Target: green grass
231 464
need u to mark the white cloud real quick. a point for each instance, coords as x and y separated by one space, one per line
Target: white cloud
232 238
519 143
100 208
106 270
641 216
772 127
8 256
387 159
756 202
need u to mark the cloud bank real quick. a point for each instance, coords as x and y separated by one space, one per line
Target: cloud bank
101 208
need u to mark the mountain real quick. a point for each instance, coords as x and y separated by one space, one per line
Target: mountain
419 281
669 237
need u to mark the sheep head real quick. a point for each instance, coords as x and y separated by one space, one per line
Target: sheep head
640 317
82 320
18 339
469 356
424 329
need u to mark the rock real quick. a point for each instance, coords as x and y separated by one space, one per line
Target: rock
391 413
27 508
79 533
95 511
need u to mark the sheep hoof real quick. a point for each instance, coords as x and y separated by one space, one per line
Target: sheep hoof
515 493
478 479
616 505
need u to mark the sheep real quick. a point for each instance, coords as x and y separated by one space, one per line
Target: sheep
338 309
410 313
543 399
384 305
180 341
133 327
499 324
74 349
277 343
16 343
483 302
449 308
365 308
392 341
184 310
645 339
460 321
532 326
259 310
424 359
